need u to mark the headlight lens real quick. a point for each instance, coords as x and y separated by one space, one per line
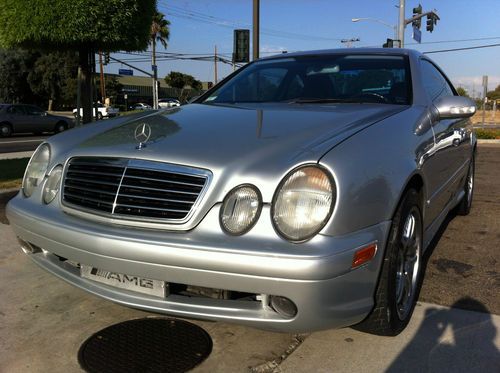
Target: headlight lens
303 203
52 184
35 172
240 209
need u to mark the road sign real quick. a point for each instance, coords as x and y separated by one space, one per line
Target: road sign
417 34
125 72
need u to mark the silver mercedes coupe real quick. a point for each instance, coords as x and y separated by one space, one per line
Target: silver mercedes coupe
298 194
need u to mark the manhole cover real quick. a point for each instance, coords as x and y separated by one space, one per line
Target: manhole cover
146 345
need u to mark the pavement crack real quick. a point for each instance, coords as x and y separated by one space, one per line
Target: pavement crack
272 366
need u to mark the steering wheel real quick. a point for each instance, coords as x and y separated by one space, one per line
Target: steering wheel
372 95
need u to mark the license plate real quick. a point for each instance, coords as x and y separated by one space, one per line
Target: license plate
148 286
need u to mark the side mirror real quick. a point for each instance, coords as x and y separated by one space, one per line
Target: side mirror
450 107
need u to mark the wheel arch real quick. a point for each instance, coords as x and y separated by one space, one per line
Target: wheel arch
415 181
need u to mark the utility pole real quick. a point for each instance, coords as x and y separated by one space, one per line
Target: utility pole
485 98
103 92
401 23
255 29
155 75
79 98
94 88
215 65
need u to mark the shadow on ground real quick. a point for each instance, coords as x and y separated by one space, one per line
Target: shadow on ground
446 340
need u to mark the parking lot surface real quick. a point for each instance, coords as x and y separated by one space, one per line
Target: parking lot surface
43 321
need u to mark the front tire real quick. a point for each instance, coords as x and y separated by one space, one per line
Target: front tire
399 283
99 116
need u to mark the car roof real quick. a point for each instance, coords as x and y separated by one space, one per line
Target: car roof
325 52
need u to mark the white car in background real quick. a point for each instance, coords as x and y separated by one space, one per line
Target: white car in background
168 102
141 106
102 112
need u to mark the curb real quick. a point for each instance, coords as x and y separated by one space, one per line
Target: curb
16 155
9 190
485 141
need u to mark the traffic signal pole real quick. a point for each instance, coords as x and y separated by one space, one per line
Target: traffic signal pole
255 29
401 23
415 20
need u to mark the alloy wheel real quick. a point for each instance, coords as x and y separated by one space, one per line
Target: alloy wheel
408 263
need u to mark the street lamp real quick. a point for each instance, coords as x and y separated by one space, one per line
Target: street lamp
393 27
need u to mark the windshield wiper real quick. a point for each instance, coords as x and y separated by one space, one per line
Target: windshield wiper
324 101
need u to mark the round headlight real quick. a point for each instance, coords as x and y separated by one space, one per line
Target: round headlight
240 209
303 203
52 184
37 167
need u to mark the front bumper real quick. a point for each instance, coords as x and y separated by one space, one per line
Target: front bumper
315 275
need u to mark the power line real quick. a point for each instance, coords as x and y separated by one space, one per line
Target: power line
200 17
463 49
455 41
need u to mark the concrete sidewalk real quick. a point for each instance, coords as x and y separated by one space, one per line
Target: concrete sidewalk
438 339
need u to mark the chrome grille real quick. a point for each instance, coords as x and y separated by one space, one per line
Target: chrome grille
133 189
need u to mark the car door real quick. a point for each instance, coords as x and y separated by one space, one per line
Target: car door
16 115
451 143
38 121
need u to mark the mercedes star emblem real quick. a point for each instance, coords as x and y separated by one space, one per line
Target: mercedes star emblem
142 135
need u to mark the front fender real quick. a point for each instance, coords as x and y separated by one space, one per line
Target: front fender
373 167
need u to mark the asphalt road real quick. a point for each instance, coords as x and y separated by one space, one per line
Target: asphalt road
20 143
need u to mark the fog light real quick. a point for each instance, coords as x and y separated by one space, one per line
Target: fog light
240 209
52 184
284 306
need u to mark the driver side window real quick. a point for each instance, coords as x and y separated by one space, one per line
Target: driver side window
435 84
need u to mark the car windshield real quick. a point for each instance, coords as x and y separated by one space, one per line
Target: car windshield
335 78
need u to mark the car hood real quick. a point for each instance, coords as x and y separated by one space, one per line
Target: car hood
211 136
247 142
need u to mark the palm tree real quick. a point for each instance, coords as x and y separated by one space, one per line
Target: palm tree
159 33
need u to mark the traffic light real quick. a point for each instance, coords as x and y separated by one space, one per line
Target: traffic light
241 48
388 44
106 58
430 23
416 12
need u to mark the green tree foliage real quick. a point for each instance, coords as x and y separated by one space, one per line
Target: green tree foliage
113 87
179 80
80 25
109 25
160 31
38 77
495 94
462 92
53 77
14 69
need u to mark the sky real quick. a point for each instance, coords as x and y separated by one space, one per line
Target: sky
197 26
